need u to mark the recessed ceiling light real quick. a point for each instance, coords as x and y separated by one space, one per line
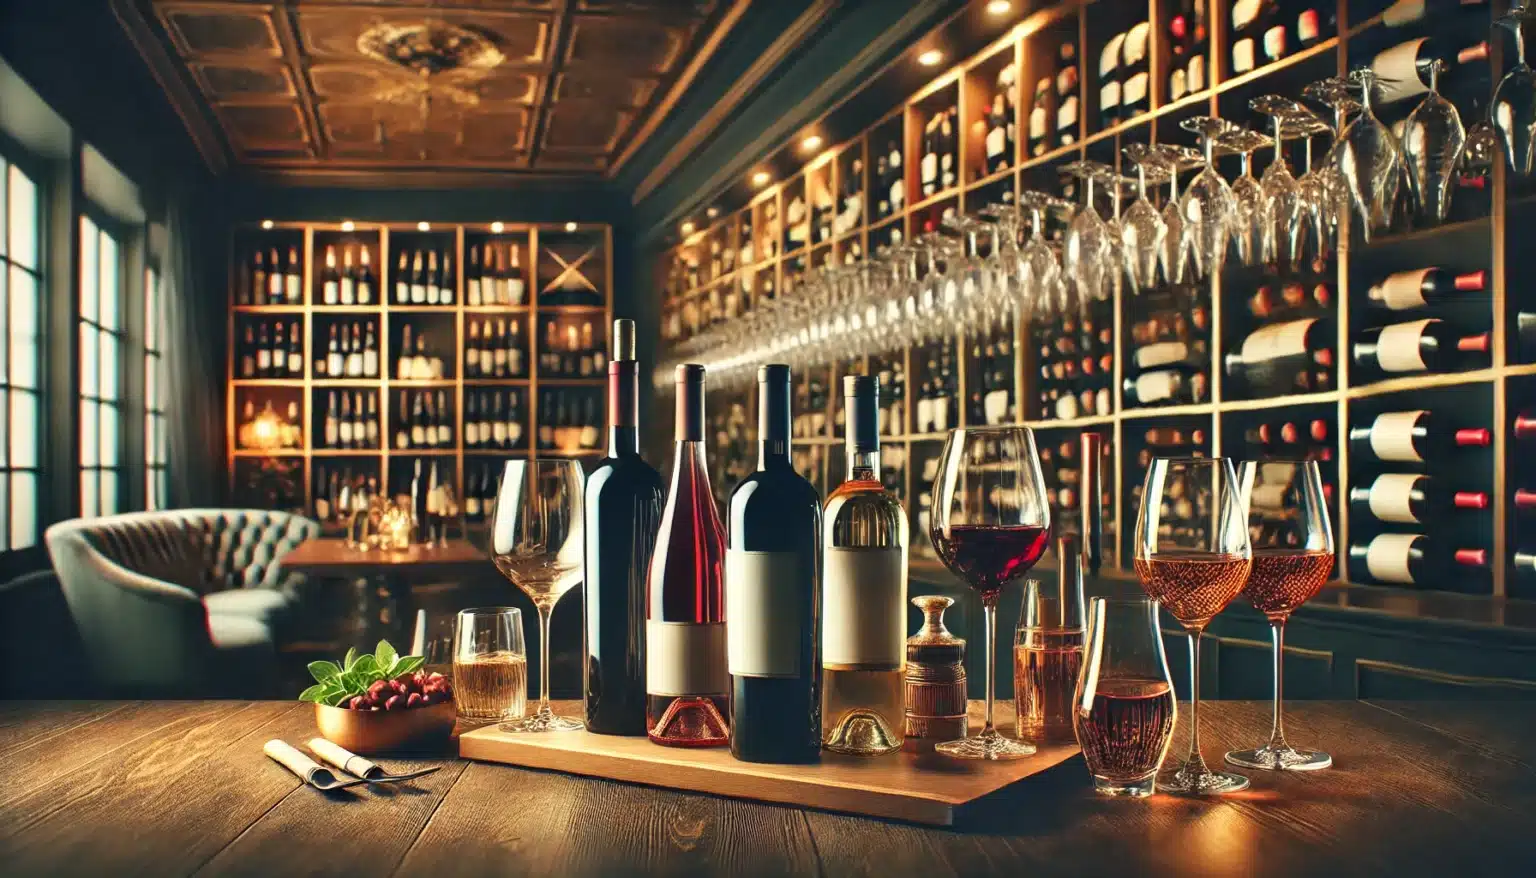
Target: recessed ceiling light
999 7
712 212
811 143
496 228
688 228
760 178
423 226
267 224
570 227
347 226
930 57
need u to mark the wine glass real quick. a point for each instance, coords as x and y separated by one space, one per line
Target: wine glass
1247 193
1125 708
1370 161
1087 247
1040 270
990 523
1513 107
1281 213
1174 159
1193 557
1433 138
536 541
1292 557
1142 229
1207 206
1332 199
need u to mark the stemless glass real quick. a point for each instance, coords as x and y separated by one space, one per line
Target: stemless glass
990 523
1433 138
490 664
1125 709
1292 557
1193 557
1513 107
536 541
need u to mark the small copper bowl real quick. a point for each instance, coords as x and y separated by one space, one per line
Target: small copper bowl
414 730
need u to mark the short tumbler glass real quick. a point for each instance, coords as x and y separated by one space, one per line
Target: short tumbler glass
490 665
1125 707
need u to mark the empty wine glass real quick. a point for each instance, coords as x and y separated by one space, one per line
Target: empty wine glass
1207 206
1281 214
1316 199
1368 157
1116 184
1141 228
1433 138
1174 159
1332 200
1246 193
1040 271
1513 108
1087 247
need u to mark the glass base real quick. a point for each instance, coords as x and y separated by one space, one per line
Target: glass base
1287 758
1133 789
994 747
1191 780
542 721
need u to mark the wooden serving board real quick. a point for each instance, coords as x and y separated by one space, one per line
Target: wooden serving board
903 786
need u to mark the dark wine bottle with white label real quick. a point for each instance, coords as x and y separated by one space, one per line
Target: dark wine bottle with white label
1428 345
1413 498
1404 70
1409 559
773 592
1405 290
1280 358
1110 81
1165 387
1135 70
1414 437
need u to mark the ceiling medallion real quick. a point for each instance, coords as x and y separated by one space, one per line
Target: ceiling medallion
444 57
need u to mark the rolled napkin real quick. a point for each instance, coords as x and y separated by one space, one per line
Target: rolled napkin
295 761
344 759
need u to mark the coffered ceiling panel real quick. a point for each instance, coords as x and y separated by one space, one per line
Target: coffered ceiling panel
333 85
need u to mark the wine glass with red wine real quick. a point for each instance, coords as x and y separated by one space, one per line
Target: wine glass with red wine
990 524
1292 557
1124 708
1192 555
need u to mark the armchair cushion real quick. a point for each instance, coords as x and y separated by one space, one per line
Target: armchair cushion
268 606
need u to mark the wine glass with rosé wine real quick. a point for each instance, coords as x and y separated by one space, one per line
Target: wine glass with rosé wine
1124 709
1192 555
990 523
1292 556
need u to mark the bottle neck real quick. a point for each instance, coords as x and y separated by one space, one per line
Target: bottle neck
863 465
773 423
623 408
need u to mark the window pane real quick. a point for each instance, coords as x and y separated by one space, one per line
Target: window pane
5 331
151 310
23 336
163 486
151 385
23 510
108 440
88 433
88 370
89 481
108 344
5 173
5 437
5 513
24 415
108 491
89 290
109 290
23 218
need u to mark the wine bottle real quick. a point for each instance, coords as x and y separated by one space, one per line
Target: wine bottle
330 279
1165 386
1135 93
444 421
354 362
773 590
686 681
332 422
1406 12
1066 94
1283 357
1416 346
514 281
364 278
344 423
419 421
405 368
472 282
1413 437
864 592
1405 290
1039 119
402 282
292 281
622 513
403 424
1109 81
257 294
370 354
348 278
418 280
248 353
295 352
263 352
1408 559
371 423
1410 498
1404 70
1248 20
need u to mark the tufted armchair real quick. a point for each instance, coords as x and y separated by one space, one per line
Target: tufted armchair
183 602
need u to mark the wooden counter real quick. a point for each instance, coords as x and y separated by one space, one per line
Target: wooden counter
181 788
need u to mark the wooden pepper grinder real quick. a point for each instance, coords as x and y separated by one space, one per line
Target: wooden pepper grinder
935 679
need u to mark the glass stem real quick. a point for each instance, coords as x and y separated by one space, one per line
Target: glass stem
1195 763
1277 734
989 608
545 611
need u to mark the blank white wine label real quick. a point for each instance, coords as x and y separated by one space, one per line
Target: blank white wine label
765 597
1404 290
1391 497
1109 95
1161 354
1109 58
685 658
1136 43
1392 436
1154 386
997 140
1386 558
1397 75
1277 340
1397 347
1066 115
1242 55
1037 120
1135 89
864 608
1196 79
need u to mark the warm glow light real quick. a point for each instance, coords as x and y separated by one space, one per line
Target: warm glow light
811 143
999 7
930 57
688 228
496 228
760 178
267 224
712 212
347 226
570 227
423 226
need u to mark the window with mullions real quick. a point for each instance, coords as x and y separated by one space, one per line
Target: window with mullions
156 481
20 356
102 338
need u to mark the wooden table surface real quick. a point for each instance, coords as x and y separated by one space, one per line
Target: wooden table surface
182 788
331 555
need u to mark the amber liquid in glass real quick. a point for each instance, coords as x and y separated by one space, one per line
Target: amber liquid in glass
1127 729
1045 669
1194 586
492 686
1284 579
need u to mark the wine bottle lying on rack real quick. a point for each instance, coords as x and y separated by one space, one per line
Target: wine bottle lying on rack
1405 12
1409 559
1403 71
1417 346
1286 357
1412 498
1167 386
1293 295
1413 437
1424 286
1525 425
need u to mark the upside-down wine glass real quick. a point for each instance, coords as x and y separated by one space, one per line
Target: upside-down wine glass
536 541
1174 159
1116 184
990 523
1087 247
1315 198
1368 157
1247 194
1193 557
1142 229
1207 206
1292 557
1281 214
1513 107
1433 138
1040 270
1332 199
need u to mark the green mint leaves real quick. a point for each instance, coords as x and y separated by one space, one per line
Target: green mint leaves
334 683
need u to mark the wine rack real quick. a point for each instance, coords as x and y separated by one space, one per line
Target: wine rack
497 346
1202 396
